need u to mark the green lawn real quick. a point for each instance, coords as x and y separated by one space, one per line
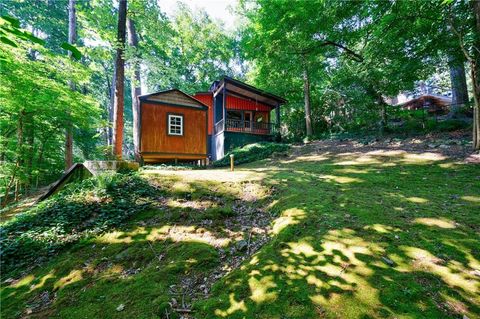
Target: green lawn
354 235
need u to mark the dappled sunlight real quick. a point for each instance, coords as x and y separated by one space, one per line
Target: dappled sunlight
177 233
383 229
43 280
23 281
352 171
346 159
289 217
215 175
174 233
72 277
422 158
341 179
307 158
473 199
410 199
417 200
195 204
437 222
259 288
452 273
387 158
234 306
116 237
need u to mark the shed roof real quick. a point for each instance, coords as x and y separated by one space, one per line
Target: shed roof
173 97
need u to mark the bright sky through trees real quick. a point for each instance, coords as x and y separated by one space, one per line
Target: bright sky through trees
217 9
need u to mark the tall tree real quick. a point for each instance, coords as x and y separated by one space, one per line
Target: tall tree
464 20
458 81
135 83
119 98
72 35
306 95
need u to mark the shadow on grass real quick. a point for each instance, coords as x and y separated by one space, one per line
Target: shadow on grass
132 243
363 235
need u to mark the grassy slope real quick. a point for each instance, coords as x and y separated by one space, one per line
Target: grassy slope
139 264
338 215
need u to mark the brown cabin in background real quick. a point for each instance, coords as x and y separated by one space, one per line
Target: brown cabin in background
173 126
434 104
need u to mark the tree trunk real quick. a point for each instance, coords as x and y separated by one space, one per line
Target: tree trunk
383 115
475 74
72 35
110 107
30 130
118 103
306 93
459 84
135 86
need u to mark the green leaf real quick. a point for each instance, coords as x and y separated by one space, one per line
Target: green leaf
33 38
8 42
14 22
75 52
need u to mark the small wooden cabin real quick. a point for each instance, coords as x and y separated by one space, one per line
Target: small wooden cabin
173 127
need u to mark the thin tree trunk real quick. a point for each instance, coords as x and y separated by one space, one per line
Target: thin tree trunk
475 75
135 86
111 107
30 130
118 104
306 94
72 35
458 81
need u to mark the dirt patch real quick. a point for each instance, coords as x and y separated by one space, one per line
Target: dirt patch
249 230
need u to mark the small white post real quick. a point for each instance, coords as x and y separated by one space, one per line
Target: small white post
232 157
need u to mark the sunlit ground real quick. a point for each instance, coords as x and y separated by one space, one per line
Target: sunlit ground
377 234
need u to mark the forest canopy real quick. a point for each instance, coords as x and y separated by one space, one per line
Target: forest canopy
336 62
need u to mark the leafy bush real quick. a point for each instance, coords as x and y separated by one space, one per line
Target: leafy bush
82 209
252 152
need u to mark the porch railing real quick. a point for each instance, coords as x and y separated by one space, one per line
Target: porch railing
249 126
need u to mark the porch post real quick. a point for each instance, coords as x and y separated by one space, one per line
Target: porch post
224 105
277 113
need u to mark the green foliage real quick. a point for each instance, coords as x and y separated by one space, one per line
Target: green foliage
285 38
81 210
37 103
252 152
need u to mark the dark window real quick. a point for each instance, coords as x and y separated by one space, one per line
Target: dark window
234 115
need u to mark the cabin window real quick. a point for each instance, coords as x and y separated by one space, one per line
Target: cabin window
175 124
234 115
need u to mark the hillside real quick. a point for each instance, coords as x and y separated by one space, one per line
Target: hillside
334 229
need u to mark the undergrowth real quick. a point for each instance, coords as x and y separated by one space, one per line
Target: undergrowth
252 152
83 209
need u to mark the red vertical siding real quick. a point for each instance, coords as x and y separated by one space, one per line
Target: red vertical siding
207 98
236 103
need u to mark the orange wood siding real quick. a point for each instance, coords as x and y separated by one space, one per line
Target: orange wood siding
154 132
207 98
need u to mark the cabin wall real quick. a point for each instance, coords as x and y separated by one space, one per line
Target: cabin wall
207 99
237 103
156 144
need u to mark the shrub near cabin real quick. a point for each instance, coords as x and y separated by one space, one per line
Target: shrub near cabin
173 125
